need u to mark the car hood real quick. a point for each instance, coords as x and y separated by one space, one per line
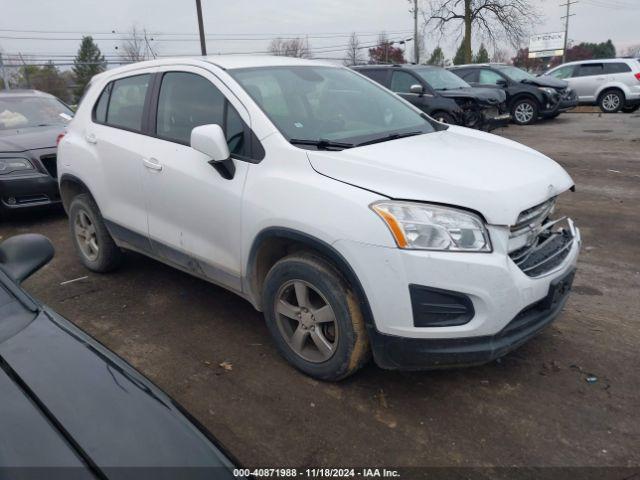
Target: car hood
494 176
491 96
21 140
547 81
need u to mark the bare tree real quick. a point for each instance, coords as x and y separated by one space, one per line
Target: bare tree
294 47
633 51
500 55
137 46
491 19
354 51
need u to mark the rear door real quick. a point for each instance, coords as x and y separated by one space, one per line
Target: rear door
117 138
587 80
194 210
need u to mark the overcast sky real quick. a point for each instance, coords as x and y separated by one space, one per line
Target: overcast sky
326 22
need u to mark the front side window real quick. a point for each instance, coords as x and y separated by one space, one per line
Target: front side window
187 101
588 69
328 103
22 111
489 77
126 102
401 82
562 72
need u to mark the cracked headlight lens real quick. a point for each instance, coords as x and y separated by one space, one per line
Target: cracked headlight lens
432 227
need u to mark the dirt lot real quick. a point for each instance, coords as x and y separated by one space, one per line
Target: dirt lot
532 408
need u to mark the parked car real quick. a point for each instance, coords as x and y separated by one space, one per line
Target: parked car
70 403
429 88
528 98
30 123
612 84
354 221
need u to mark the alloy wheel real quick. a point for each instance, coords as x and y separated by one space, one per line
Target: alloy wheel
611 102
524 112
86 236
306 321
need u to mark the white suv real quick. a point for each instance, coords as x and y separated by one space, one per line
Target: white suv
355 222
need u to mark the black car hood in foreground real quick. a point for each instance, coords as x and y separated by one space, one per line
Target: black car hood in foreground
491 96
67 401
546 81
33 138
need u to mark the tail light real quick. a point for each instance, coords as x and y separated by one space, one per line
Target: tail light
637 75
60 137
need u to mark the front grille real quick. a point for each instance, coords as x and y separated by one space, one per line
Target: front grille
547 249
50 162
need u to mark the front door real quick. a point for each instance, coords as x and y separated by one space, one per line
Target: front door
194 212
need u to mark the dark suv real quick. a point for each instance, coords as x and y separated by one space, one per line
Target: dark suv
442 95
528 97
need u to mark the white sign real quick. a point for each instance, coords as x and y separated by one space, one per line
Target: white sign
546 41
546 53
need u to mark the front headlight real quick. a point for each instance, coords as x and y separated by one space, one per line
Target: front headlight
9 165
549 91
432 227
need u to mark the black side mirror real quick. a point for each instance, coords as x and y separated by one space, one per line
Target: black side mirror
501 82
22 255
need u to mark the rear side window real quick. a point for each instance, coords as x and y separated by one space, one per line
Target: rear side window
126 102
588 69
379 75
401 82
616 68
100 112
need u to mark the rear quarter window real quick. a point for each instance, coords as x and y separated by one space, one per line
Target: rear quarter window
616 68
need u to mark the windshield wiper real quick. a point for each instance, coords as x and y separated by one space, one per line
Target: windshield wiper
391 136
321 143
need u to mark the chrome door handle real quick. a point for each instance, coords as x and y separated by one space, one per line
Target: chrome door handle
91 138
152 164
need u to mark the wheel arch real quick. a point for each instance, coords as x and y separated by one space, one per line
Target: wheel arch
70 187
522 95
608 88
274 243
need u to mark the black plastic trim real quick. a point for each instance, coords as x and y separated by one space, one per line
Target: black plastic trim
435 307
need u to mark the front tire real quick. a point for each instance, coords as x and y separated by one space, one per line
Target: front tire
524 111
314 317
91 239
444 117
611 101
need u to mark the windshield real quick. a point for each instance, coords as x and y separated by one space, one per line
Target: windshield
327 103
514 73
23 112
441 79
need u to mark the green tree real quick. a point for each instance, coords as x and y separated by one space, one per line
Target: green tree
88 62
482 56
437 57
461 54
600 50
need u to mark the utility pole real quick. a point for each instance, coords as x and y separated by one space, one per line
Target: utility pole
566 27
203 45
5 80
416 46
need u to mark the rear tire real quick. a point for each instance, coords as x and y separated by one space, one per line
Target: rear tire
524 111
314 317
630 109
611 101
91 239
